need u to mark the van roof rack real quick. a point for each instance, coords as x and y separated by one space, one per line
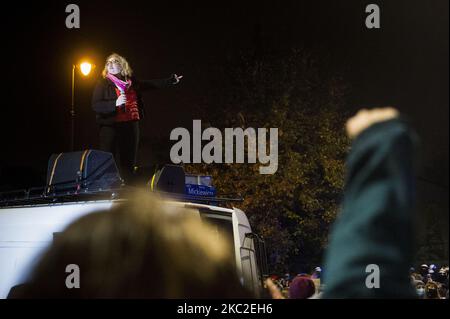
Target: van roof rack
41 196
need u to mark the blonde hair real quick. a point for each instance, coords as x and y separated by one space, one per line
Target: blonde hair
126 69
141 248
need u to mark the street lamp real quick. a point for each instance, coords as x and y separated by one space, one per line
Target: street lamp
85 68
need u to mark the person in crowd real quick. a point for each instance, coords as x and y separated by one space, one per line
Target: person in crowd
372 239
302 287
416 276
420 288
424 271
288 279
273 290
433 272
442 276
317 273
442 290
140 249
432 290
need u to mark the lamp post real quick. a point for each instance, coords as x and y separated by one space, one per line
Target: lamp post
85 69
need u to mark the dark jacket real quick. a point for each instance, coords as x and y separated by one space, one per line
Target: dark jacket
104 97
375 225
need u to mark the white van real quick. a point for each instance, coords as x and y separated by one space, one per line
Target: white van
28 225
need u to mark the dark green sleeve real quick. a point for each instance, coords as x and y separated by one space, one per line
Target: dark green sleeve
375 225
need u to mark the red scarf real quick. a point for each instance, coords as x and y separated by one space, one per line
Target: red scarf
122 85
129 112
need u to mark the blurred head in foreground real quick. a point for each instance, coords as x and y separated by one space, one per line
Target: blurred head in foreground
140 249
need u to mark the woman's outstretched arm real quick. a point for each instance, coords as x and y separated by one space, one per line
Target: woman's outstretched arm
145 85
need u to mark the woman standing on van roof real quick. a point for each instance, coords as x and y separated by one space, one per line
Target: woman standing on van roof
119 107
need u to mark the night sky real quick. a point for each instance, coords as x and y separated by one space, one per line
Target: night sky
405 64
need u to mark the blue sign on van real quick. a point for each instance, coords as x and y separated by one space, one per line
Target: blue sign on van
200 190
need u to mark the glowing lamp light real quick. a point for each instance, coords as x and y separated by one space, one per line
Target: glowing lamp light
85 68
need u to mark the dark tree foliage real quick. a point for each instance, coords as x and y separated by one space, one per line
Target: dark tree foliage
294 92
